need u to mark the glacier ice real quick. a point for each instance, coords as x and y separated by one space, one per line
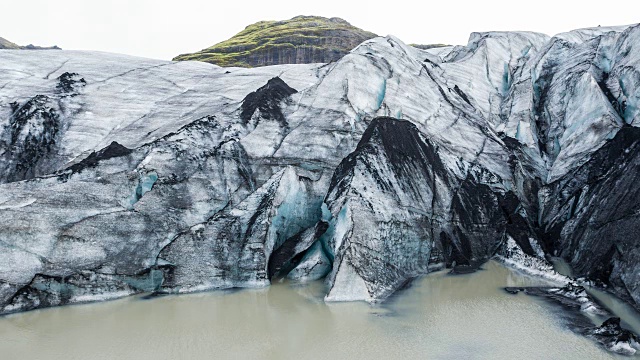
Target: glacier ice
314 265
123 175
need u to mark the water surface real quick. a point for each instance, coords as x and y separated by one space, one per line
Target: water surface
440 317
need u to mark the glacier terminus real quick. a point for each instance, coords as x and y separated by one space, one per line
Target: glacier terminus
124 175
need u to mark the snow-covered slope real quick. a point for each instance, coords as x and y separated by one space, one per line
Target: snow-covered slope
124 175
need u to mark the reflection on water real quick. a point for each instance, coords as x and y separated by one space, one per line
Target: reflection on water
440 317
630 317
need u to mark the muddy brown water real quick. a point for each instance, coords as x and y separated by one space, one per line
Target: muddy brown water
440 316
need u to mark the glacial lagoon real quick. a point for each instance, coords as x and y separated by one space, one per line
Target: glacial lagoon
440 316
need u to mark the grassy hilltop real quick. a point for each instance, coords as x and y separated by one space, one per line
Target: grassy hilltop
301 40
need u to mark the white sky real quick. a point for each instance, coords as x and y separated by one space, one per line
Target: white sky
162 29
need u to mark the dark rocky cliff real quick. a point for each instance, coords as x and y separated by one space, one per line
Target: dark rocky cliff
8 45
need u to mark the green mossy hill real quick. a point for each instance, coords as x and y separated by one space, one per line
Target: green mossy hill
428 46
301 40
6 44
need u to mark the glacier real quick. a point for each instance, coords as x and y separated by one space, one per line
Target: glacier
124 175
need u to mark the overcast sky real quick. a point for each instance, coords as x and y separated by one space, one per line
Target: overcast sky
162 29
